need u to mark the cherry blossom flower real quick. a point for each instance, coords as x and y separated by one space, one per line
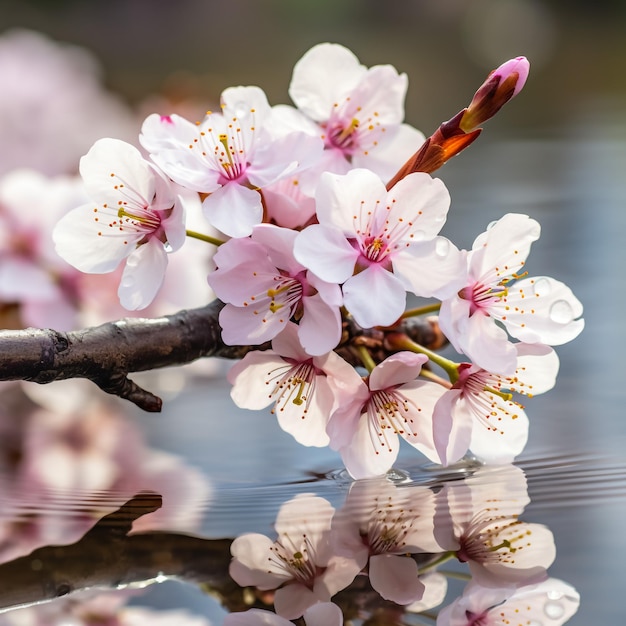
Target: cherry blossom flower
300 564
533 310
357 111
478 519
550 603
366 427
303 388
32 274
320 614
379 243
264 287
230 156
138 216
381 525
478 413
54 104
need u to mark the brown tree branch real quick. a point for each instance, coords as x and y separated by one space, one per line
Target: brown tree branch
106 354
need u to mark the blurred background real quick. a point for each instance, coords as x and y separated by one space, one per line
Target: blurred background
556 152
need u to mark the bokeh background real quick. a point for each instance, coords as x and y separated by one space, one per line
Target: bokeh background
557 152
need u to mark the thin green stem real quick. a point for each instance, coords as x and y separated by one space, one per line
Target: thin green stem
402 342
366 359
446 556
422 310
202 237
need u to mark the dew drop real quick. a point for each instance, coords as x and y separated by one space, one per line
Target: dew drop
554 609
534 622
418 235
442 246
561 312
542 287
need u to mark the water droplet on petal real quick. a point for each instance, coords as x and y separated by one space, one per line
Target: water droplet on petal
554 595
418 235
128 281
534 622
561 312
542 287
554 609
442 246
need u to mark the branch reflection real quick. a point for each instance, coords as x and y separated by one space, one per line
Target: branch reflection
383 556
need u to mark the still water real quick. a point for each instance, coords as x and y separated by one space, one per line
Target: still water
222 471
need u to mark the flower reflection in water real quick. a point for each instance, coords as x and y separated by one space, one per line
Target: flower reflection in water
381 554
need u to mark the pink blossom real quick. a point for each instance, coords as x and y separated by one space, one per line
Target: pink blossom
54 104
136 216
380 244
483 528
300 564
303 388
31 272
357 111
550 603
264 287
479 412
230 156
366 427
497 291
381 525
502 84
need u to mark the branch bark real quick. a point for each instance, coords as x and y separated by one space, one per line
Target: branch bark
107 354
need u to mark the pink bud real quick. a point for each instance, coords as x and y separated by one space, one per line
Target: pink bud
519 66
503 84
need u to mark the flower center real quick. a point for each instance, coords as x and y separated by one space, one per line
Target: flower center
296 557
389 411
293 386
481 296
343 136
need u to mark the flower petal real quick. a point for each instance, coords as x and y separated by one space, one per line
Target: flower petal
374 297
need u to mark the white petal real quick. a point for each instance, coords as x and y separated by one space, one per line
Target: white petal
320 327
326 252
504 444
543 310
143 275
114 170
391 152
397 369
395 578
345 201
505 245
323 75
375 297
364 457
234 209
434 268
87 246
323 614
250 378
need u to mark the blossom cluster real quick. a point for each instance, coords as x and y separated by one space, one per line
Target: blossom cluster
329 216
397 535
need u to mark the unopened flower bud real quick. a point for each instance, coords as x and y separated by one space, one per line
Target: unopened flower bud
503 84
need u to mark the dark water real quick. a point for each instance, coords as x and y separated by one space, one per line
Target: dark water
245 468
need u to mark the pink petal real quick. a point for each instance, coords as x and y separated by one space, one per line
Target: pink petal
395 578
234 209
397 369
143 275
336 263
374 297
